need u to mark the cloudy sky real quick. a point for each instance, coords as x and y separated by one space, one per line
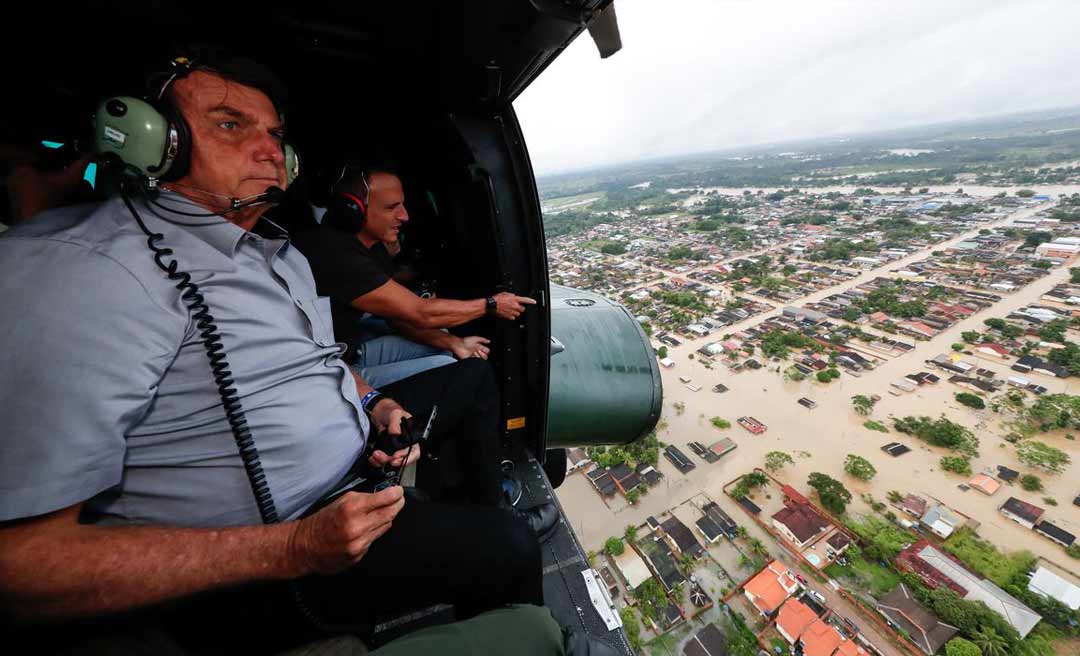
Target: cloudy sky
700 75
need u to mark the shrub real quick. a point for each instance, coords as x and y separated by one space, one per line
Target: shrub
961 647
971 400
775 460
859 467
958 347
720 422
956 464
875 426
614 546
1031 483
1042 456
747 483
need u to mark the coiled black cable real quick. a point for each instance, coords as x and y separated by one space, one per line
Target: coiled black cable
219 368
219 364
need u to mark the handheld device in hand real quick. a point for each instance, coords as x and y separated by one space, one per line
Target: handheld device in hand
407 438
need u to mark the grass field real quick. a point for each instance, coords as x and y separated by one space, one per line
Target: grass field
873 577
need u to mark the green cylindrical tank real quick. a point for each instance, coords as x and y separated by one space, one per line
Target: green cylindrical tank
605 381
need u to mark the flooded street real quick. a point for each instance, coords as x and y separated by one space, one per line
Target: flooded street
821 438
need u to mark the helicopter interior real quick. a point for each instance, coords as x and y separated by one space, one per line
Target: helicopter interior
426 85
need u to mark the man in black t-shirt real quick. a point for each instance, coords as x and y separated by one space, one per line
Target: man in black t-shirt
352 266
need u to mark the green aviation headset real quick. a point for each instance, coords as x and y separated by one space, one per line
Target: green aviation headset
152 137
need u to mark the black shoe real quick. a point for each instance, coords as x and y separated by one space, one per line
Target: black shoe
543 519
577 643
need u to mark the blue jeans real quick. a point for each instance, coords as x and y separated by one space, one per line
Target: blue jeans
390 358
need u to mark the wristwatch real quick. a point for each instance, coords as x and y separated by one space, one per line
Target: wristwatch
490 305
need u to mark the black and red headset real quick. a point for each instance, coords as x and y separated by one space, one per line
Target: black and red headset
345 210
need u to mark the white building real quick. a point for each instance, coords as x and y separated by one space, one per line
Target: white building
1049 584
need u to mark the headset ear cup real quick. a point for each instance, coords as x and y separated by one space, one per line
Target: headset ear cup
182 162
344 214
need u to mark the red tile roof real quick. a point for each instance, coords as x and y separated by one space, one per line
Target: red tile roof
770 587
849 648
794 617
820 639
909 559
803 522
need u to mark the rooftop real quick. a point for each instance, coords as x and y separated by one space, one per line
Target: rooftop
1055 532
932 565
803 522
683 537
794 617
914 505
926 630
632 568
1022 509
1049 584
985 484
770 587
820 639
849 648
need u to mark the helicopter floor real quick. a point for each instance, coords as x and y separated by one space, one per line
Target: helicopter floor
565 592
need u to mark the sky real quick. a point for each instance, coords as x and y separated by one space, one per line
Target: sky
704 75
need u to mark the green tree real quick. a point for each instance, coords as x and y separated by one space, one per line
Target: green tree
971 336
1031 483
834 496
775 460
989 642
956 464
630 534
1043 456
758 547
1074 275
827 375
958 347
748 482
996 324
939 432
614 546
1036 237
1011 331
863 404
632 627
652 598
613 248
961 647
1068 357
720 422
661 352
971 400
1053 331
852 314
633 496
859 467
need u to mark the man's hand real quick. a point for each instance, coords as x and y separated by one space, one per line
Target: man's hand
387 415
471 347
380 459
339 535
509 306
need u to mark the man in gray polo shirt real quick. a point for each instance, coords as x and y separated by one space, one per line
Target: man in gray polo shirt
120 483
